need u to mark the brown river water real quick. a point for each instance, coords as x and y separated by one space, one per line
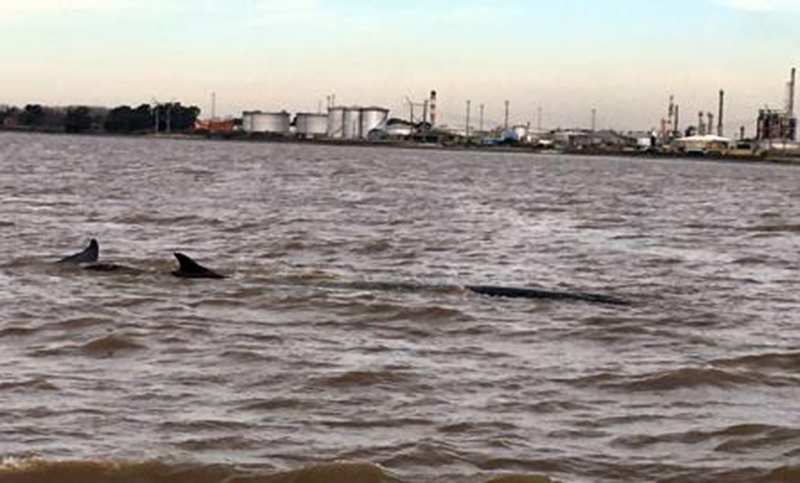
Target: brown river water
330 355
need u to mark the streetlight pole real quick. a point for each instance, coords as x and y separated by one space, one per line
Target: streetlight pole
469 106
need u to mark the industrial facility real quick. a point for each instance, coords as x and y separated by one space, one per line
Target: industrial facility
776 129
779 125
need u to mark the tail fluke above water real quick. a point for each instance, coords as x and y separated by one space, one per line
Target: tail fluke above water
188 268
89 255
533 293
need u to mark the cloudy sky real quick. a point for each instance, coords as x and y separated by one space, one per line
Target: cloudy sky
621 57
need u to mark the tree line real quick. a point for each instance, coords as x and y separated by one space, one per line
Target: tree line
168 117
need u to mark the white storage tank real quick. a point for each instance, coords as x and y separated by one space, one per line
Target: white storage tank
336 122
352 123
311 125
266 122
355 123
372 118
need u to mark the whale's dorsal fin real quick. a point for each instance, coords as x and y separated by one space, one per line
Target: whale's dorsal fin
89 255
190 269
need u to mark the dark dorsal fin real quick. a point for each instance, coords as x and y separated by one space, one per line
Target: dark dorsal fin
190 269
89 255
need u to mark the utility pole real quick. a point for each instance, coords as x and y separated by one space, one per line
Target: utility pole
169 117
539 118
672 124
410 110
469 106
433 106
156 109
481 125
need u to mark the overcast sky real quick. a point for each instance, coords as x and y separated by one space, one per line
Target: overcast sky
621 57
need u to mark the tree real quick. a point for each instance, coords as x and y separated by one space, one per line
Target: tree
124 119
173 116
7 112
33 115
78 120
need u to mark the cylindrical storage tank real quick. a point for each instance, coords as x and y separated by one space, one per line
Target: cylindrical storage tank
247 121
336 122
311 125
352 123
371 118
267 122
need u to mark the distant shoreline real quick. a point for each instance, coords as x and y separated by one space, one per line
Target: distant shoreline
770 159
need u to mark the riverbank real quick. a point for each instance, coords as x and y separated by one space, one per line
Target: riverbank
766 158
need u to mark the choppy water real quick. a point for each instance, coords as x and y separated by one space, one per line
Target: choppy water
294 370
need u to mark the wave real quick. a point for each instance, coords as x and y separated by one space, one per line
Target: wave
684 378
733 439
521 479
690 378
777 228
35 470
110 345
782 474
789 361
37 384
82 322
363 378
17 332
140 219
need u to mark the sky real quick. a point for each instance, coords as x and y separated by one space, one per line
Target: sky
622 58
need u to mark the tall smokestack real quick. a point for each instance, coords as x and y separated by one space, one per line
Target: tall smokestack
677 127
720 123
792 81
433 108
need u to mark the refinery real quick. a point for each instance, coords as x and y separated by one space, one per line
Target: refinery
705 135
774 136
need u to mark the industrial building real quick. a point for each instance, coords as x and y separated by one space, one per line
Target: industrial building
779 125
775 125
704 144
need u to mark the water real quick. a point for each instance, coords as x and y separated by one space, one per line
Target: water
298 369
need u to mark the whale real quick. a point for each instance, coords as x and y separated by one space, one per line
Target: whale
536 293
90 254
188 268
89 259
